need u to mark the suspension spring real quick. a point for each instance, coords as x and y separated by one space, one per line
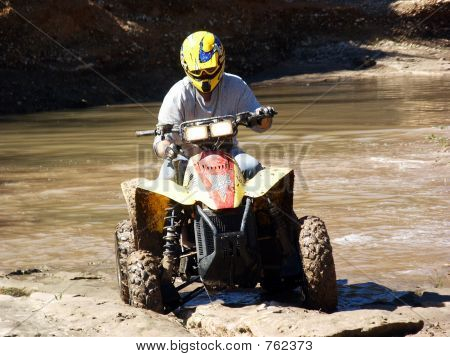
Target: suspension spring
171 234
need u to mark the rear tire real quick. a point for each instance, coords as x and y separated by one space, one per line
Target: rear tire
124 239
144 281
319 280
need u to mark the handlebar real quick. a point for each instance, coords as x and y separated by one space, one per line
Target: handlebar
145 132
245 118
160 130
248 119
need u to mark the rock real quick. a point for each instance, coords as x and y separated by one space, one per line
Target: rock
75 317
93 308
218 320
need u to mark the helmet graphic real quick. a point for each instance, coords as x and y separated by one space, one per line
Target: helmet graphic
203 59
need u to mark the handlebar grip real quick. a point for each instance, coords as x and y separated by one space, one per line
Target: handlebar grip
145 132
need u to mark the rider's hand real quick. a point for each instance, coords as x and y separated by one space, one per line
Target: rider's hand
172 151
265 123
267 114
161 148
266 111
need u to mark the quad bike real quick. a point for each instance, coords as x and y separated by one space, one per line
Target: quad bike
212 225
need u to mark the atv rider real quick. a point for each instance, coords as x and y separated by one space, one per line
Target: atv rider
206 91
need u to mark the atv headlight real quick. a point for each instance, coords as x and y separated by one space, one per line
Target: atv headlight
196 132
222 128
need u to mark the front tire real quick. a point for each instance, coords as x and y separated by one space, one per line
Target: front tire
144 281
319 278
124 239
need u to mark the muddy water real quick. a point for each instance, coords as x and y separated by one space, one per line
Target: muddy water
359 151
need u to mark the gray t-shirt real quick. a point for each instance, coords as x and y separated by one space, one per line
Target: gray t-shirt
182 103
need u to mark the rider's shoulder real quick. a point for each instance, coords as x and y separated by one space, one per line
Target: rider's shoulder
179 88
234 83
233 79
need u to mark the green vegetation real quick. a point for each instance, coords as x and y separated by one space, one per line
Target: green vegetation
442 141
16 292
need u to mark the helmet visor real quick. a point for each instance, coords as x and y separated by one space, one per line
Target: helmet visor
206 73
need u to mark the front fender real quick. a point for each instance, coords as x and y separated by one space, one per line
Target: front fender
264 180
169 189
258 186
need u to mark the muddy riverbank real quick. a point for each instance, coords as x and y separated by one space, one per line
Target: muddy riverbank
349 61
81 304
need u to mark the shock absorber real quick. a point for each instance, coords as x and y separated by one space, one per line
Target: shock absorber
171 249
171 238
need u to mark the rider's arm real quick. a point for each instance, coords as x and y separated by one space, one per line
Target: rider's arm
248 102
171 112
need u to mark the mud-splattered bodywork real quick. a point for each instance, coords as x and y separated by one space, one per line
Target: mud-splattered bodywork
148 199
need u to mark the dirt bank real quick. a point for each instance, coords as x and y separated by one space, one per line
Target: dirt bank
87 304
343 61
65 54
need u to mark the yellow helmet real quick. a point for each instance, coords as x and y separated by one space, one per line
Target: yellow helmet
203 59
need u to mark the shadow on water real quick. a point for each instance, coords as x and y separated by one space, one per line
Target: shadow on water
230 298
360 296
371 295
